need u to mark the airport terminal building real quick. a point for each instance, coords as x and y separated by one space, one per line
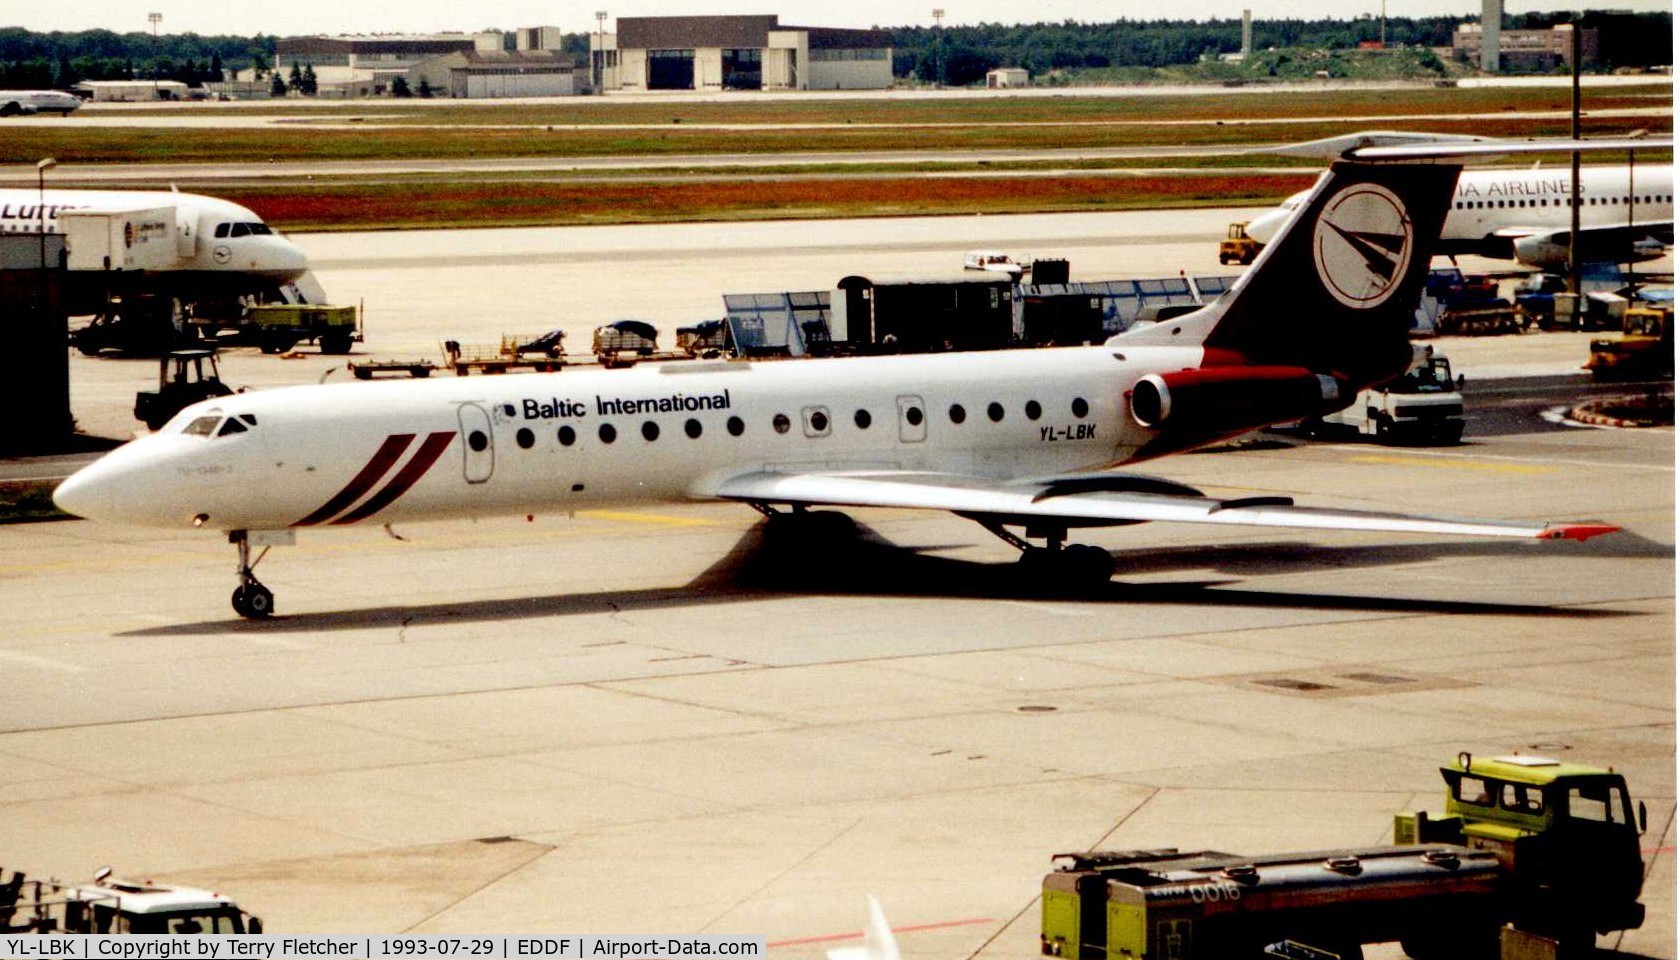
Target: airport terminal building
739 53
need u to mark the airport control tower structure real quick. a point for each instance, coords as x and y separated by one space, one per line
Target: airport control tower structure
1493 16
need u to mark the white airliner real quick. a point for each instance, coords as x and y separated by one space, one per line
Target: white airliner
1016 440
1524 215
223 250
15 102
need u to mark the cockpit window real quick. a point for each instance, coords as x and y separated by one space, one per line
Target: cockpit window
242 230
218 424
203 426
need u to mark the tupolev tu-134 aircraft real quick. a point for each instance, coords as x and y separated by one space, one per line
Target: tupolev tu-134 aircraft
1018 440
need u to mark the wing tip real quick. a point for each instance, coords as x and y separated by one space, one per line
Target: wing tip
1575 531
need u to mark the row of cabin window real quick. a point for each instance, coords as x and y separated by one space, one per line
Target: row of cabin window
819 423
1555 202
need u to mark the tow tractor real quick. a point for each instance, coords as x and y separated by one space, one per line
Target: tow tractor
1644 351
1422 405
1531 851
1238 246
184 378
113 906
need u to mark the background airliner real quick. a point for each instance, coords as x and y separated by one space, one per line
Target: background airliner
1015 440
15 102
1627 214
225 251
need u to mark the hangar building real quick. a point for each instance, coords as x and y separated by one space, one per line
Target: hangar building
522 63
752 52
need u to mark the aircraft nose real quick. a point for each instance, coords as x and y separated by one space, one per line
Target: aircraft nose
129 485
89 493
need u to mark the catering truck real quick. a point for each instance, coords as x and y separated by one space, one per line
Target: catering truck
1530 849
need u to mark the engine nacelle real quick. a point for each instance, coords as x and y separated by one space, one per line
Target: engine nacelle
1217 400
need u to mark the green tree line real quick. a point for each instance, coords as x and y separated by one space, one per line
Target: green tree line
31 60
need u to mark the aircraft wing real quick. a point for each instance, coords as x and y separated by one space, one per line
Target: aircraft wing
1102 499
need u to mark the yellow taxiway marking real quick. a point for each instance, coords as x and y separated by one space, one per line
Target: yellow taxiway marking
1455 464
647 518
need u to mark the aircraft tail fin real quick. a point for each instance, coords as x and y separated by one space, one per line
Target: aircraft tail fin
878 940
1335 290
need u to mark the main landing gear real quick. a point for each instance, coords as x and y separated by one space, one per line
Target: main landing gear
1057 564
251 599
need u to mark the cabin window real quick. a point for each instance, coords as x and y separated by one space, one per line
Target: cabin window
1598 803
994 411
780 423
478 441
913 416
736 426
1520 798
692 428
862 419
958 414
608 433
525 438
1034 411
650 431
1080 407
1474 790
567 436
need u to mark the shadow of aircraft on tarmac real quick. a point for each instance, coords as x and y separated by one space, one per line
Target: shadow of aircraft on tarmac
851 560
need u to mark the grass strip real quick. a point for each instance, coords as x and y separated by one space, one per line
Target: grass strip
368 206
28 501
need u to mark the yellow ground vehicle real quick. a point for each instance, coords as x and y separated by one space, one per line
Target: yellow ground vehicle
1238 246
1551 849
1645 350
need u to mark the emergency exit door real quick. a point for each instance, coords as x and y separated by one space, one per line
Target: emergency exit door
912 419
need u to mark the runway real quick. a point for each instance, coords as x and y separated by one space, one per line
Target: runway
647 721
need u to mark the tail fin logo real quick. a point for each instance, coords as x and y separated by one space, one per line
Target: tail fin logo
1362 245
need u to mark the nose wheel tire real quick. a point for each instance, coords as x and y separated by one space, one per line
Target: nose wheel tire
253 601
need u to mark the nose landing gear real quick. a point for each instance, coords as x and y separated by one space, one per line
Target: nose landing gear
251 599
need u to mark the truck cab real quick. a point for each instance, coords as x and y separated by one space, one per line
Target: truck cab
1567 835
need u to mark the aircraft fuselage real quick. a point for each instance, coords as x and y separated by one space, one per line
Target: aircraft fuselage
545 443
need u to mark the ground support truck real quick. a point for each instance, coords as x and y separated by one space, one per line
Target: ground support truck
113 906
1547 851
1423 405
